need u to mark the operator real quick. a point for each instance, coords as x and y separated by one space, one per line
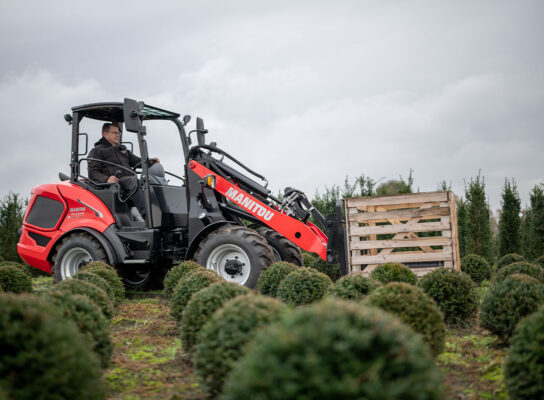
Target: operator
108 148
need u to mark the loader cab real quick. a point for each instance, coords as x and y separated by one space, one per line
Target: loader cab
166 203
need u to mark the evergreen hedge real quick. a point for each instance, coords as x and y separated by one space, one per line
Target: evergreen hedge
96 280
353 287
477 268
190 284
13 279
303 286
522 267
93 292
508 259
272 276
331 270
393 272
111 276
335 349
173 276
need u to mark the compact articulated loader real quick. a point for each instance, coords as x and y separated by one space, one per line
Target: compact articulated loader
218 216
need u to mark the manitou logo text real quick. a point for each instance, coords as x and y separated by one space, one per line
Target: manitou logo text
249 204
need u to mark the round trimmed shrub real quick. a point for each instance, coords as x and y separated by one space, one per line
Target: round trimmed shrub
190 284
93 292
415 309
353 287
43 354
88 318
524 367
508 259
223 338
271 277
476 267
335 349
523 267
173 276
110 275
307 259
455 293
101 264
507 302
18 265
540 261
393 272
331 270
13 279
201 307
96 280
303 286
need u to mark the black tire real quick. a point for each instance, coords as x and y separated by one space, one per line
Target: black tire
236 244
74 251
283 248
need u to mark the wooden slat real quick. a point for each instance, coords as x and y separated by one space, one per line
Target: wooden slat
402 258
388 229
395 243
400 214
400 199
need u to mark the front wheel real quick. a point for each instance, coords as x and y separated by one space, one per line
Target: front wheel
238 254
283 248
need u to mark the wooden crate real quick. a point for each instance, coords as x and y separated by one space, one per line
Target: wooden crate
418 229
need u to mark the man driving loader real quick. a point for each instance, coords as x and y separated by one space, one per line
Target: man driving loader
109 149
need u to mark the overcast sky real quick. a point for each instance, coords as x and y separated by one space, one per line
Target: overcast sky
304 92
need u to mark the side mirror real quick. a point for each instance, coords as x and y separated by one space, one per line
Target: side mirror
68 118
186 119
131 115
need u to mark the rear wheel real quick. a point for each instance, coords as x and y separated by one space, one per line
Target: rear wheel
144 277
238 254
284 249
74 251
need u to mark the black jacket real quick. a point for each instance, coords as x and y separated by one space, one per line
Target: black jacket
103 150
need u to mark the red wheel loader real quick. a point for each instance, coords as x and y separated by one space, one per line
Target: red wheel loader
219 216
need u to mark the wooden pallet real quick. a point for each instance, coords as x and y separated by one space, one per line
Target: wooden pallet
418 229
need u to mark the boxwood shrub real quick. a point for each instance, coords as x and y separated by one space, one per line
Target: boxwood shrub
43 354
111 276
96 280
331 270
307 258
271 277
524 366
507 302
353 287
335 349
223 338
415 309
455 293
97 264
191 283
88 318
201 307
540 261
13 279
303 286
508 259
522 267
176 273
476 267
393 272
93 292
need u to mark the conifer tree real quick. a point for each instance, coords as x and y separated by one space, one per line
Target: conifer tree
462 227
479 236
533 225
510 221
11 219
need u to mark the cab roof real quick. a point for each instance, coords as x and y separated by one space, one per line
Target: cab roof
114 112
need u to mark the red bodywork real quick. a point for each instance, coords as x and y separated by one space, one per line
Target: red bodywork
306 236
76 214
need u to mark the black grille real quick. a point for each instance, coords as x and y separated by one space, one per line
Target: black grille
45 212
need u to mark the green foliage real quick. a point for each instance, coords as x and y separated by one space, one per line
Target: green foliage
335 349
533 225
303 286
415 309
110 275
100 264
173 276
88 318
96 280
189 284
394 272
223 339
455 294
202 306
331 270
393 186
510 221
43 355
13 279
27 269
508 259
522 267
271 277
540 261
93 292
307 259
479 235
476 267
11 219
507 302
353 287
462 226
524 367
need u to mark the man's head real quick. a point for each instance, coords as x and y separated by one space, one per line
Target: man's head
111 133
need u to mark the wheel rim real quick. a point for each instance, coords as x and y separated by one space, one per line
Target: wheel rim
225 253
136 277
72 261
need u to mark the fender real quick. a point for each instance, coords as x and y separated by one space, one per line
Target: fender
201 235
